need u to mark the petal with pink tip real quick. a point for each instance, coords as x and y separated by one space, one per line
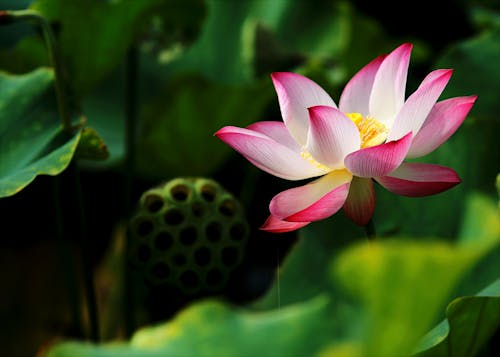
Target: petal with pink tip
418 106
267 154
332 136
388 91
378 160
418 179
314 201
360 203
443 120
296 93
276 225
277 131
355 97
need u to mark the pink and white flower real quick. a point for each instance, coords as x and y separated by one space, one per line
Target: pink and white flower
345 147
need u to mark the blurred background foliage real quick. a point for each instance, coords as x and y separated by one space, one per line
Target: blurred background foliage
187 68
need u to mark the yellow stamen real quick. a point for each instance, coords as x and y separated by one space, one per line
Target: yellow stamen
308 157
371 131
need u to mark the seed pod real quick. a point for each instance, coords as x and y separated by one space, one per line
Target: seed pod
189 233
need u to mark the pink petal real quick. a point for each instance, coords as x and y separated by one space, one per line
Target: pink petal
296 93
276 225
378 160
277 131
267 154
388 91
418 179
418 106
332 136
355 97
314 201
360 203
443 120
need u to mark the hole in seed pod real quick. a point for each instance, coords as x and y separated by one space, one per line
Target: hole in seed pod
229 256
153 203
179 260
237 231
202 256
143 227
163 241
208 192
214 277
143 253
180 192
228 208
188 235
173 217
189 279
197 209
213 231
161 270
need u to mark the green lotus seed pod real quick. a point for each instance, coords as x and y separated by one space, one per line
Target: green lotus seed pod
189 233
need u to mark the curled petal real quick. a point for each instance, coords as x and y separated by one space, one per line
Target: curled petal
276 225
418 179
378 160
268 155
296 93
332 136
443 120
314 201
355 97
388 91
418 106
360 203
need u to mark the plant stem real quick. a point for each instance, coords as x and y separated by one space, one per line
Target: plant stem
65 257
370 230
54 59
131 83
88 275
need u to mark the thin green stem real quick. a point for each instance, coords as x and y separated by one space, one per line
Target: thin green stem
66 262
131 99
370 230
88 275
131 83
54 60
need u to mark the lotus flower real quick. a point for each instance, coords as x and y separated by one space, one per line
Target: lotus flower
346 147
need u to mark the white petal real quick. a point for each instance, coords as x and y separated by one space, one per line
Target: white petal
296 93
332 136
388 92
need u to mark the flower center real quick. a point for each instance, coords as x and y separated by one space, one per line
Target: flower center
371 131
308 157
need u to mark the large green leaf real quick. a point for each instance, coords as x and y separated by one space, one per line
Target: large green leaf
32 141
482 219
404 284
94 35
477 72
470 322
211 328
178 127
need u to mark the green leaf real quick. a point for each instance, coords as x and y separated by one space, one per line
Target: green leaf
476 71
211 328
403 284
32 141
94 35
178 126
471 319
470 322
91 146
